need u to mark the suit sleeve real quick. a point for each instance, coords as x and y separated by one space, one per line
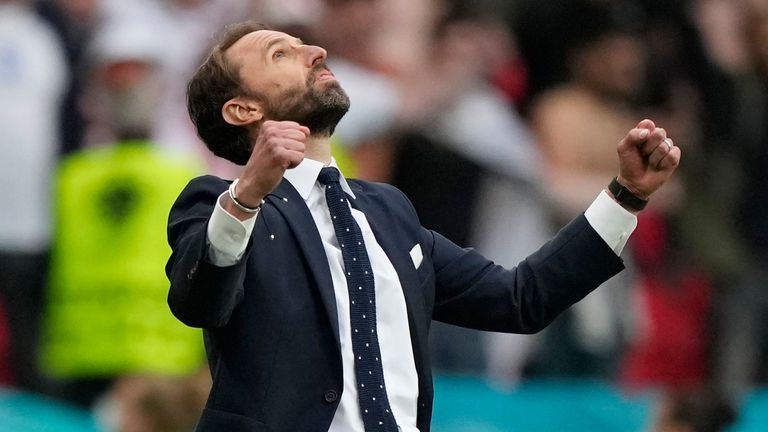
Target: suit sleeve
201 294
472 291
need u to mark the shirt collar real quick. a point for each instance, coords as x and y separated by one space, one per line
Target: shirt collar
304 176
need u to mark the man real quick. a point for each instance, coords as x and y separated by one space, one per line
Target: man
316 293
100 281
33 79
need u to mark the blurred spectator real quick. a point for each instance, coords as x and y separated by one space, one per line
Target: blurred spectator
365 131
33 77
467 142
184 28
402 42
74 22
154 403
578 124
671 346
691 97
539 27
693 411
106 306
6 374
425 115
742 351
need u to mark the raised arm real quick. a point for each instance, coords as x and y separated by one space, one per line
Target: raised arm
202 294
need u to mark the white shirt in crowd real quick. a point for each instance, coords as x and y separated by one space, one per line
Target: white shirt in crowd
33 79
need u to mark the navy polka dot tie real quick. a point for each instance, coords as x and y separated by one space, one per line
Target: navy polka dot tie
374 405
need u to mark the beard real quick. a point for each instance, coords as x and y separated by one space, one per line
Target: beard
318 109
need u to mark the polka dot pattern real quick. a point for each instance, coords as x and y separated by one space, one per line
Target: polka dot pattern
372 393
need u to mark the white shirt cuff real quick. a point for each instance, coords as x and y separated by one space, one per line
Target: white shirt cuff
227 236
612 222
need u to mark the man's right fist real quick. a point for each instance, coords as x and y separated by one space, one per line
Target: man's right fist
278 146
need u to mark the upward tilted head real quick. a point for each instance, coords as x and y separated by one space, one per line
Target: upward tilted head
255 74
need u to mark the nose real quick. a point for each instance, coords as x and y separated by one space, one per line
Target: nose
315 55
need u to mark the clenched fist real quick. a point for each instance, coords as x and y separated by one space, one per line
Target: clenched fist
647 157
279 145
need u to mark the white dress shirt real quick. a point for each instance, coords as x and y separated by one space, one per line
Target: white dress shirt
228 238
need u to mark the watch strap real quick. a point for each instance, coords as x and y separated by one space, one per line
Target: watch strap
625 197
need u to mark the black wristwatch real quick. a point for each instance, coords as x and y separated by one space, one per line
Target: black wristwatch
625 197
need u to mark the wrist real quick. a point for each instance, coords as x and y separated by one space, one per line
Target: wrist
631 187
239 206
626 196
241 193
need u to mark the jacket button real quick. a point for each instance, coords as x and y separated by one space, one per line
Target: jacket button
331 396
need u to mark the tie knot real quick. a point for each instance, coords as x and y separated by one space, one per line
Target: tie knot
328 175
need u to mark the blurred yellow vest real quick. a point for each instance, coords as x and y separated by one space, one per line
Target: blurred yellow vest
106 305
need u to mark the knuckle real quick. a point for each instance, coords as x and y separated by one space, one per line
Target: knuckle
267 131
275 137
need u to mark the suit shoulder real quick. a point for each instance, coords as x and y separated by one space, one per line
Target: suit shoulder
206 182
200 192
202 186
388 195
376 188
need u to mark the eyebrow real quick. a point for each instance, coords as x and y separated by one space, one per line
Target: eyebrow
279 40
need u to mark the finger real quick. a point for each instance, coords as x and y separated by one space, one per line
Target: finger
291 134
660 152
277 127
671 160
655 139
281 153
646 124
636 137
272 137
281 124
292 158
293 144
289 125
292 125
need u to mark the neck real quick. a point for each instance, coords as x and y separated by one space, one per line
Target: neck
318 148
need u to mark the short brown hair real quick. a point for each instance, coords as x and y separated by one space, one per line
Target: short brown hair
215 82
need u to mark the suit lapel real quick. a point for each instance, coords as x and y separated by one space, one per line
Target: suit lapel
290 204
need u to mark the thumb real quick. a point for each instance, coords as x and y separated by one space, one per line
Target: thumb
634 138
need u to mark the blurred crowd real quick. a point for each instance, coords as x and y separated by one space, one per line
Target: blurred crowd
498 118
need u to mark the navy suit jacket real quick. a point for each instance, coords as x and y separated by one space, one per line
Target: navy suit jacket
270 322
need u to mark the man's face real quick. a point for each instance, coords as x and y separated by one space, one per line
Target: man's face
291 78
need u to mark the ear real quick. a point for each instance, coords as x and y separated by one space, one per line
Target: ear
242 111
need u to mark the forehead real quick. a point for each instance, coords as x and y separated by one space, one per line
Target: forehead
257 41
